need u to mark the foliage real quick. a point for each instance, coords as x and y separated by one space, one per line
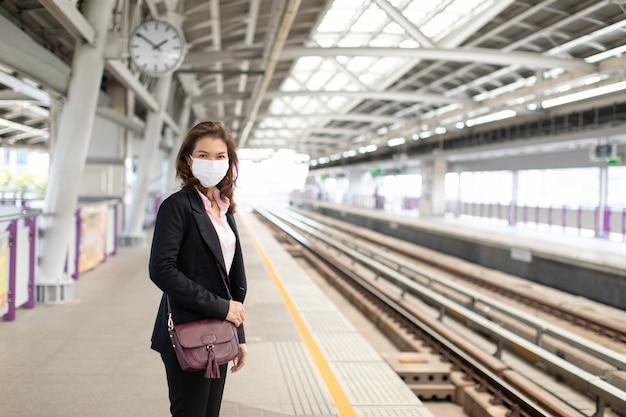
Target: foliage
23 182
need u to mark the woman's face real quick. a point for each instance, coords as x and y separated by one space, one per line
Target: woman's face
210 148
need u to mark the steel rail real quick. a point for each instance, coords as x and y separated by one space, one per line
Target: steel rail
541 326
605 392
513 397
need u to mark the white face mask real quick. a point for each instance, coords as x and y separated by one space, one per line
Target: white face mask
208 172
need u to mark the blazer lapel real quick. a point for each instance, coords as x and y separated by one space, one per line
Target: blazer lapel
205 226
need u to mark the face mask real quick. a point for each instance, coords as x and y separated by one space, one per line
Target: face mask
209 173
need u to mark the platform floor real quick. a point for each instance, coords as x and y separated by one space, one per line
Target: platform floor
573 247
91 356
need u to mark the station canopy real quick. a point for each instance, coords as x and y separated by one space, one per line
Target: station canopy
332 79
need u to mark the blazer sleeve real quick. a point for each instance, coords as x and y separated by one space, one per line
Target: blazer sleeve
172 226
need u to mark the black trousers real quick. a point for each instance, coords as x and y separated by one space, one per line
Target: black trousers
191 394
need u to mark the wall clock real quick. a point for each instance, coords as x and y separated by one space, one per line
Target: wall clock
156 47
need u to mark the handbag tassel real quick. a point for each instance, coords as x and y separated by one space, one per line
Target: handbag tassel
212 370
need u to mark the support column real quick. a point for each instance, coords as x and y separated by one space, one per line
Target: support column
355 187
514 196
603 226
432 202
182 123
70 152
133 232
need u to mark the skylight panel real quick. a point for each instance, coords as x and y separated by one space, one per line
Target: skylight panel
298 102
462 7
292 85
298 78
393 28
338 82
383 40
336 19
414 16
297 124
313 107
277 107
272 123
360 64
370 21
337 102
409 43
438 25
318 80
306 63
386 65
326 41
368 78
353 41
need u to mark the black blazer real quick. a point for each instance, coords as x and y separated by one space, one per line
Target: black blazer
184 261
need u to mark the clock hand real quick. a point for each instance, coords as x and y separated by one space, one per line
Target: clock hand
139 35
158 45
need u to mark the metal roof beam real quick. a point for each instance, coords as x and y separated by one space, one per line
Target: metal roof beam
22 54
279 38
70 18
347 117
375 95
404 23
483 55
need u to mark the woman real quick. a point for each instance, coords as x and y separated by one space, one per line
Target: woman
195 235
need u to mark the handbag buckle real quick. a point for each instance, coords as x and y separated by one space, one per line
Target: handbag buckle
170 322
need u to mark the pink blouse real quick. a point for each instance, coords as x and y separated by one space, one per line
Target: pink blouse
224 232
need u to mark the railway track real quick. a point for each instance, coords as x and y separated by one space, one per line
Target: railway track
494 281
393 293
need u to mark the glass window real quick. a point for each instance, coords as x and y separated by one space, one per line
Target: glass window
486 187
616 186
558 187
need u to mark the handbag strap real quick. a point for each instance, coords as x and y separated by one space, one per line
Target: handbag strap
170 321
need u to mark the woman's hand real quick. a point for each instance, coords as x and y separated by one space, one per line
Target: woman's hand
236 314
240 360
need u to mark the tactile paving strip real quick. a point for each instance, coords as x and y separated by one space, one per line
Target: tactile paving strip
372 383
307 390
323 321
412 411
346 347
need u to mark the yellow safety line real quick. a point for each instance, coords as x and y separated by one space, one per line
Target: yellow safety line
339 396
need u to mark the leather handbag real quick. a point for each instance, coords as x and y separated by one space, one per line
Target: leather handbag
204 344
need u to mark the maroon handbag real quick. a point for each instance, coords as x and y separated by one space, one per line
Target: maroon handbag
203 344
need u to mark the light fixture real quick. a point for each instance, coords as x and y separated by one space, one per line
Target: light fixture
492 117
582 95
395 142
368 148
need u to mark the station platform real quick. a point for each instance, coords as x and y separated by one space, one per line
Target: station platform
594 268
91 356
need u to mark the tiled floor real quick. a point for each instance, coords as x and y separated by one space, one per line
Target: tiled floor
91 356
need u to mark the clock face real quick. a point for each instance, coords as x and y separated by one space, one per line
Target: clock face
156 47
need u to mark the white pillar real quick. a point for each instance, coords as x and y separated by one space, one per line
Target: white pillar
433 199
133 232
182 123
603 180
72 142
514 196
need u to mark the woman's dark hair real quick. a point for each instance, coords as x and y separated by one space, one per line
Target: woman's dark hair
216 130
